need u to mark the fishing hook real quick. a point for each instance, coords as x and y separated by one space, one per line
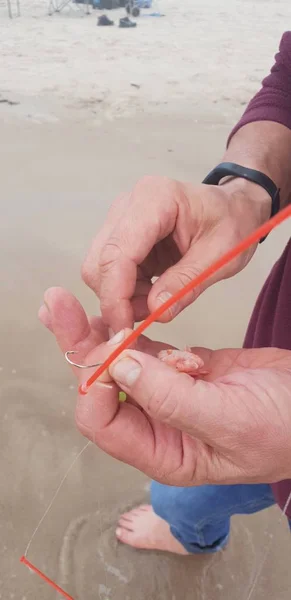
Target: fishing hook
75 364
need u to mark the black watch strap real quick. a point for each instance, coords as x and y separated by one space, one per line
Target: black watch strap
233 170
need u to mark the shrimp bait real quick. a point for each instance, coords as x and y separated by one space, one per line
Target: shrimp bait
184 361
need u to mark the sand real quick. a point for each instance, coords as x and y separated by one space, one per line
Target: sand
64 157
210 49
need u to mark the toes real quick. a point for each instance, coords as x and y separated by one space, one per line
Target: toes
126 537
127 515
126 523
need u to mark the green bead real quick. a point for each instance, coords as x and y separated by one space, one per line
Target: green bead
122 396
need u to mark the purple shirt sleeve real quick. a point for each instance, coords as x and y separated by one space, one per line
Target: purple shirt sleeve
273 101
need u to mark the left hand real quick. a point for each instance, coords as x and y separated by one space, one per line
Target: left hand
232 427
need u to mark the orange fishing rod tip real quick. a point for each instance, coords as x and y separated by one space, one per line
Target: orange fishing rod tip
83 389
45 578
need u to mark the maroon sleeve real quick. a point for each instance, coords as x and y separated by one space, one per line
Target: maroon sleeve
273 101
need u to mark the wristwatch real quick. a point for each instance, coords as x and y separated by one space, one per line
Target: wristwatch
233 170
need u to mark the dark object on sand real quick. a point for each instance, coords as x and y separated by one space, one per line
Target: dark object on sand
132 8
126 23
9 102
103 21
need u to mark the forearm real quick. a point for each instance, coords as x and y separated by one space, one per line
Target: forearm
262 138
265 146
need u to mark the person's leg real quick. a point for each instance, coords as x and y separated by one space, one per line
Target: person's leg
199 517
190 520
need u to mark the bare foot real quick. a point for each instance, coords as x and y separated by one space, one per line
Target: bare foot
142 528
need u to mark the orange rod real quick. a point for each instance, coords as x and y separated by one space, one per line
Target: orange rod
45 578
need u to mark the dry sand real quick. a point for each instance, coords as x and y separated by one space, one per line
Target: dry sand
205 57
64 156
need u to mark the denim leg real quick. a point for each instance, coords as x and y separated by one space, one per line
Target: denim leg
199 517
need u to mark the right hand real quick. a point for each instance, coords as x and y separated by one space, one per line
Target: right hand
172 231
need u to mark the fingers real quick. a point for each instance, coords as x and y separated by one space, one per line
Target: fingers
97 324
97 409
117 428
128 243
64 316
195 407
68 319
44 317
90 271
201 255
120 429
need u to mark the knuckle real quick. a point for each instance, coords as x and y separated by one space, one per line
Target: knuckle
110 254
187 274
184 276
90 276
86 273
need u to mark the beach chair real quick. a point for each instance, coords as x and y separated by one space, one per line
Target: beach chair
13 8
57 6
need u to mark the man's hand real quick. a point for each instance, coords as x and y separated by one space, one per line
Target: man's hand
232 427
172 231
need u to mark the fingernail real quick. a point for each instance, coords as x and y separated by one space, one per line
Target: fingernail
118 532
45 303
116 338
162 298
44 309
110 333
44 316
126 371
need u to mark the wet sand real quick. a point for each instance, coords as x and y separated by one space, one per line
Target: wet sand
57 182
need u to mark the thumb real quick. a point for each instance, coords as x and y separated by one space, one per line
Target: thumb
200 256
176 399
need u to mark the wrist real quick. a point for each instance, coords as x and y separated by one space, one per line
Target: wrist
252 198
264 146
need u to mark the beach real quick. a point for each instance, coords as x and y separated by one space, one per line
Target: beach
84 113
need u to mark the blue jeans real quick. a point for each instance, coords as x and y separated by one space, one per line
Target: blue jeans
199 517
